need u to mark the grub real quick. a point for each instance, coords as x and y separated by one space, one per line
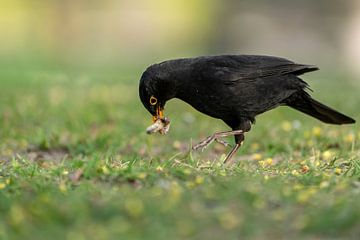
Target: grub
161 125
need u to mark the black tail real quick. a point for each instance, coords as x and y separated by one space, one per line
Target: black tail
304 103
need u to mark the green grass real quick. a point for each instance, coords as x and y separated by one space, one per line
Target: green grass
75 163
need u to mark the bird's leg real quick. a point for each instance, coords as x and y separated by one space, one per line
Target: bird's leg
232 152
215 137
239 138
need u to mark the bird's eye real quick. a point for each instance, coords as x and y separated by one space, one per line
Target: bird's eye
153 100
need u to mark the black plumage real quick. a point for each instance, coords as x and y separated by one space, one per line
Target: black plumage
234 88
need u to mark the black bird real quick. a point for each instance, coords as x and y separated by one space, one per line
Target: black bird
233 88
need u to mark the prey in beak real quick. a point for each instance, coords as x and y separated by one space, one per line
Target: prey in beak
160 124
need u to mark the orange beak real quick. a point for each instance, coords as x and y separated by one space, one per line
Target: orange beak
159 114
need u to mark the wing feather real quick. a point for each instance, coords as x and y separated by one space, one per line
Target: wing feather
231 69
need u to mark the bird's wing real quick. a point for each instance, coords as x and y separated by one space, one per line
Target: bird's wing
248 84
237 68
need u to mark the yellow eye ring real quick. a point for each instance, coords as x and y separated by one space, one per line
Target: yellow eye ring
153 100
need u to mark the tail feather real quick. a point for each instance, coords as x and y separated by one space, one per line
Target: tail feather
304 103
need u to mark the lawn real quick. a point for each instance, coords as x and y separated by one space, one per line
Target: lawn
76 163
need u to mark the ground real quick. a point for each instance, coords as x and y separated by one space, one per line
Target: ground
76 163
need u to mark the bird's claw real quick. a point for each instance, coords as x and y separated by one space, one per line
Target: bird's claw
205 143
224 143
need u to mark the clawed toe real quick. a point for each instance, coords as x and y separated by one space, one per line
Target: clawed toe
224 143
203 144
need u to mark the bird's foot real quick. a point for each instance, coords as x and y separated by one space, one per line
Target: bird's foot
216 137
222 142
203 144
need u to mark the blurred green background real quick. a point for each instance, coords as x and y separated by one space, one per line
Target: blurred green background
76 163
99 44
117 40
142 32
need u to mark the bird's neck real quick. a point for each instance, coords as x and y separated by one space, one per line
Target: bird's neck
173 78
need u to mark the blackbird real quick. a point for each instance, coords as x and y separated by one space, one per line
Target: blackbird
233 88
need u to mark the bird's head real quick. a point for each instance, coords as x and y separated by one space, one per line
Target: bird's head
155 89
150 96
